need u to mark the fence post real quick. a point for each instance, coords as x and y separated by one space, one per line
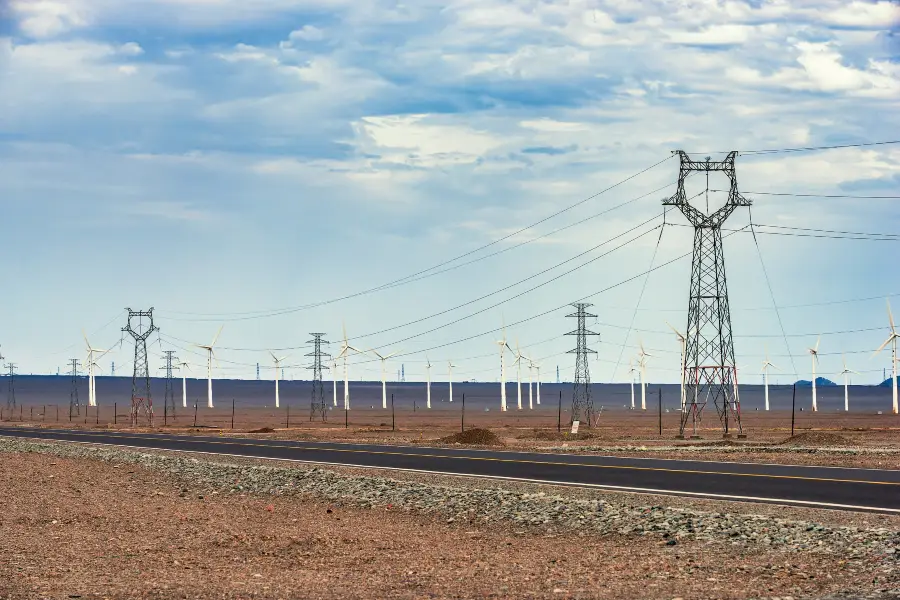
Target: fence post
195 412
393 418
115 413
462 419
559 417
659 390
793 406
232 414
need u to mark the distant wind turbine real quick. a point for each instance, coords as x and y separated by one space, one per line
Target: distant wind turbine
277 366
383 377
518 362
92 386
643 364
682 340
631 370
345 348
184 365
450 366
814 353
538 369
428 382
765 371
892 339
503 346
846 373
530 381
209 358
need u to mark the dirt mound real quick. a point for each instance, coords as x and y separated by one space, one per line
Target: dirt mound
480 437
817 438
262 430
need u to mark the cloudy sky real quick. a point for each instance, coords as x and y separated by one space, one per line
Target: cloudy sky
253 163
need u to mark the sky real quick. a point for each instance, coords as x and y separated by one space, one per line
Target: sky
250 164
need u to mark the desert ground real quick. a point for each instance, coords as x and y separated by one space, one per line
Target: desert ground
87 528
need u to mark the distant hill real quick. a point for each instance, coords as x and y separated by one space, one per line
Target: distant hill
887 382
820 382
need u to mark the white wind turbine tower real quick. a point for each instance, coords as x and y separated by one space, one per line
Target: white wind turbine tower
682 340
450 366
519 356
643 364
334 378
503 346
846 373
277 367
814 353
428 384
892 339
345 347
92 387
530 380
184 365
383 378
631 371
765 371
210 354
537 367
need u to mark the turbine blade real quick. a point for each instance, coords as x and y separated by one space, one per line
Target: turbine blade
218 333
678 333
890 315
818 339
881 347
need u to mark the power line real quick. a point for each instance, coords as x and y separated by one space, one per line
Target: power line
817 195
803 149
394 283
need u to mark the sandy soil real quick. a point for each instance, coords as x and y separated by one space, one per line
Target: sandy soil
81 528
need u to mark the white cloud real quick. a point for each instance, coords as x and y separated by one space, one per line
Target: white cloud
307 33
131 49
47 18
874 15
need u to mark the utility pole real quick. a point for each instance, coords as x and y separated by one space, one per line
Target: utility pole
709 365
74 404
141 401
257 371
582 403
169 402
317 406
112 371
11 390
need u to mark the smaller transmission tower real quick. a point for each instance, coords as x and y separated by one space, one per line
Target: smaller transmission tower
169 402
582 403
74 404
11 391
113 369
141 400
317 406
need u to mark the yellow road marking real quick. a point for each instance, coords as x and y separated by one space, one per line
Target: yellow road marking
494 459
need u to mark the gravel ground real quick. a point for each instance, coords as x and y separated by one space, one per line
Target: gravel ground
865 558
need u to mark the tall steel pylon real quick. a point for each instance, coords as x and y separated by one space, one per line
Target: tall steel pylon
317 405
709 366
141 400
74 403
11 389
169 402
582 403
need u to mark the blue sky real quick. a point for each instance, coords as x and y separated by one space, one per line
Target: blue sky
217 159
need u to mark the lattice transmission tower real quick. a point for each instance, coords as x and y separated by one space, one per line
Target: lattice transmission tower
582 402
11 389
169 402
709 366
74 403
317 405
141 401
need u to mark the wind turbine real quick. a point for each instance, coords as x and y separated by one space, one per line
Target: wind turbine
631 370
209 358
892 339
537 368
503 346
428 384
184 365
345 346
683 340
643 364
383 381
334 378
846 373
450 366
765 372
530 380
92 387
814 353
519 356
277 365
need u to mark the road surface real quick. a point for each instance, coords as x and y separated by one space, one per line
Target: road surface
826 487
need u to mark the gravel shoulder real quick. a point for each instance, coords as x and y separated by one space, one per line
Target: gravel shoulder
92 521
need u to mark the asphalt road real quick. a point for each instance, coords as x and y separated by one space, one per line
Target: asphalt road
827 487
